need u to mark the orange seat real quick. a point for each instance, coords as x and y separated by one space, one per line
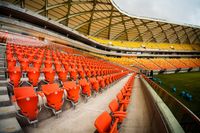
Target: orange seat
73 74
33 75
48 64
103 123
27 100
85 87
62 74
49 74
72 90
123 100
93 72
57 65
54 96
88 73
115 108
37 63
15 75
125 93
101 82
11 62
66 66
95 84
107 81
81 73
24 64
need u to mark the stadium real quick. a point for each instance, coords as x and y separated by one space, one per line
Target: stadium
85 66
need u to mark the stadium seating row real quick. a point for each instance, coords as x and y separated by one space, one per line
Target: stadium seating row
35 61
109 123
147 45
28 99
66 75
156 63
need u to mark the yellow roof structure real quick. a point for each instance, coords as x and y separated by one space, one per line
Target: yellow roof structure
101 18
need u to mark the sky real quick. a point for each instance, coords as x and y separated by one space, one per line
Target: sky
177 11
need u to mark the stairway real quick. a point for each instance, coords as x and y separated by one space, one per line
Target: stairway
8 121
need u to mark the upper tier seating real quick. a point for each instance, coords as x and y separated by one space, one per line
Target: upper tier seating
156 63
147 45
163 64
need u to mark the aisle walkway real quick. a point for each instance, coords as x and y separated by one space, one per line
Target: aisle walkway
80 120
138 118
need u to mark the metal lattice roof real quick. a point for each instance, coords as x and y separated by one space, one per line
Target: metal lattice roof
100 18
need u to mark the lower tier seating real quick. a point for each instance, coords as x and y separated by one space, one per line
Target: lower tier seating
47 77
110 121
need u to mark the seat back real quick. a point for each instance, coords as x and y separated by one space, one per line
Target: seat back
69 84
28 107
85 87
83 82
103 122
27 100
72 90
55 99
15 75
53 94
33 75
120 96
114 105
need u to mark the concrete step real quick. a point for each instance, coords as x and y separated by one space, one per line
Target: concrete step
2 59
2 55
2 72
3 90
4 100
10 125
7 112
2 77
2 46
2 68
2 63
3 82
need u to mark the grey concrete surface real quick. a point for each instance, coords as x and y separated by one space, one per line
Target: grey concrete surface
80 120
7 112
138 118
4 100
10 125
3 90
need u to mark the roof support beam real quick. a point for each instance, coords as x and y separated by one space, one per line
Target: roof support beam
91 17
197 36
94 20
175 33
163 32
139 34
99 31
79 13
22 3
45 8
186 35
110 21
125 29
72 2
152 35
68 11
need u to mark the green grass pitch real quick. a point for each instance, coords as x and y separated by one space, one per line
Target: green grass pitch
188 82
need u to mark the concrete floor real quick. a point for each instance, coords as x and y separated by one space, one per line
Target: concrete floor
82 118
138 117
